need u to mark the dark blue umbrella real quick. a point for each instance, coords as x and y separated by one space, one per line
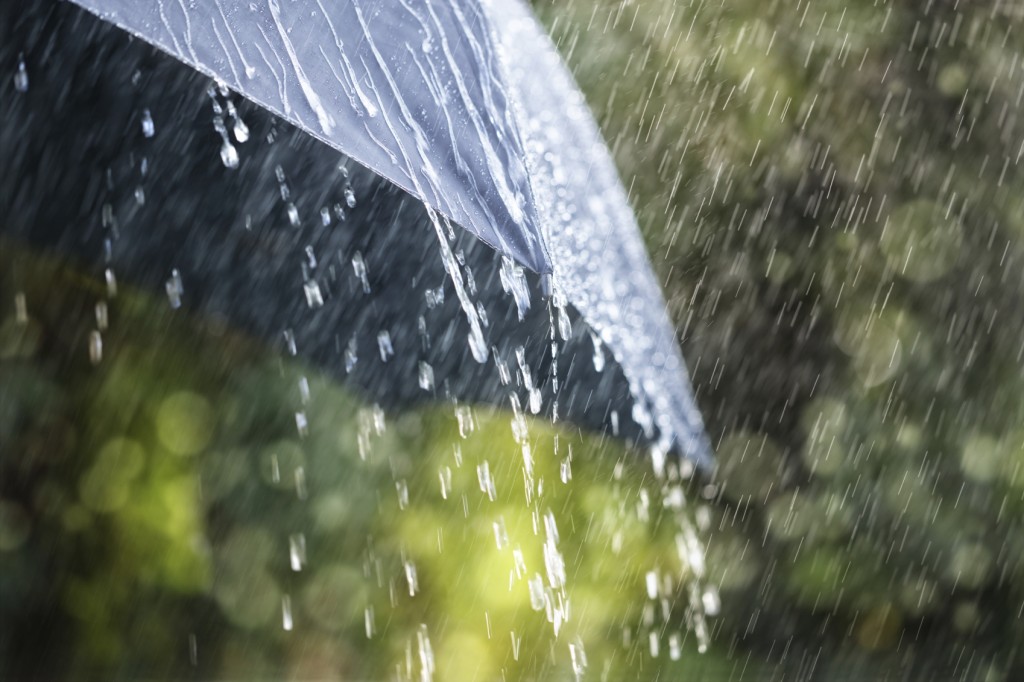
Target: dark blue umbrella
457 112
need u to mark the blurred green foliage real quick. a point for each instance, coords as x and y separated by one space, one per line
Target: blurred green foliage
832 193
185 503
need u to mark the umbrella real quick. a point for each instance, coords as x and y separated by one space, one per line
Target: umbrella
230 197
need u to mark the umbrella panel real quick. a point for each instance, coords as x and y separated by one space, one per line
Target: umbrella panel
117 161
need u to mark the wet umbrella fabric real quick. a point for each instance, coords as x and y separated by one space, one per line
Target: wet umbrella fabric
262 245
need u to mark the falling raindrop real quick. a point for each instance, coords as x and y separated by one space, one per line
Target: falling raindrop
229 155
402 488
240 130
20 308
174 289
111 280
102 316
426 376
297 551
350 197
411 577
350 355
286 613
21 76
537 596
359 267
675 647
445 476
599 359
483 476
464 417
434 297
95 347
289 341
384 345
368 621
148 127
314 295
578 657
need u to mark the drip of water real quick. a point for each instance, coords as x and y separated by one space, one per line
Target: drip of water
174 288
21 76
148 127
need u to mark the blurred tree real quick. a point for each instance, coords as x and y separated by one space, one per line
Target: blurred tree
831 191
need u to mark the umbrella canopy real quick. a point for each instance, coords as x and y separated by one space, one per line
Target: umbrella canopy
465 106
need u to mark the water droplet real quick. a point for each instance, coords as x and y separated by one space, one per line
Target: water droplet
564 325
241 131
599 359
229 155
350 355
537 596
434 297
483 476
478 345
652 584
20 308
350 197
426 376
711 601
411 578
95 347
102 316
174 289
359 267
314 296
148 127
500 533
111 281
578 657
21 76
297 551
286 613
426 652
368 621
140 196
464 416
445 476
293 215
513 281
535 400
402 488
289 341
384 345
675 647
325 216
